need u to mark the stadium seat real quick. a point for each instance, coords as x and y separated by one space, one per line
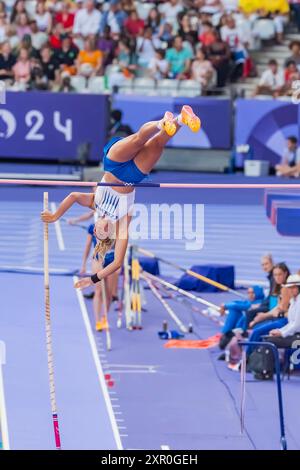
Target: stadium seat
96 85
167 87
79 83
126 87
189 88
144 86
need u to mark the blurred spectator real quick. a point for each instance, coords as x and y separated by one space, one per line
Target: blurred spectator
236 42
272 80
3 26
202 69
117 128
22 69
218 52
7 61
55 37
22 25
295 49
38 38
89 60
49 64
170 10
154 21
43 18
87 20
114 17
179 58
185 31
146 45
18 8
65 17
295 7
158 65
67 54
207 36
107 45
290 162
133 24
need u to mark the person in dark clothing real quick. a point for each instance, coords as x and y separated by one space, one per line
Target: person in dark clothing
49 64
219 54
7 61
267 266
68 53
117 128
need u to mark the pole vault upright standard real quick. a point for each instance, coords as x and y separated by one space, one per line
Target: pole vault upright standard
48 331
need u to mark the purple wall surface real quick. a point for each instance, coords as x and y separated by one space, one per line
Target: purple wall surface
264 126
215 114
41 125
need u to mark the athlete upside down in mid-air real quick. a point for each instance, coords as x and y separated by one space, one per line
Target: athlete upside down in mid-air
125 160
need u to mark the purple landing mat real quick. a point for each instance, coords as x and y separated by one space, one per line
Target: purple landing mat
186 399
82 414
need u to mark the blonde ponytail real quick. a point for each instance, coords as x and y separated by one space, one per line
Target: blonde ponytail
102 247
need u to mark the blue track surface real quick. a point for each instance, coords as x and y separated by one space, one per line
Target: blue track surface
184 399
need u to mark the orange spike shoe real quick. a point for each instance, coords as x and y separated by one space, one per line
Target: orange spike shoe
102 324
168 123
190 119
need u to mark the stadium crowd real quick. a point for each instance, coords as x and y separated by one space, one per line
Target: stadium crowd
45 43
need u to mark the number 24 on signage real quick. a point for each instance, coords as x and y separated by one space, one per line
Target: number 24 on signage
35 120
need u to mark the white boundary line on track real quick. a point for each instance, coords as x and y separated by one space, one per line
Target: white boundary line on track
3 416
59 235
99 369
164 447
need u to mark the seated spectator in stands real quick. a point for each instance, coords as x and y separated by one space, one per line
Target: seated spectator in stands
49 64
18 8
89 59
207 36
272 80
38 81
7 61
284 337
114 17
263 323
22 25
236 41
290 162
107 45
146 46
124 65
86 22
165 33
202 70
158 65
133 25
185 31
38 38
55 37
219 54
169 11
267 265
27 44
12 36
291 77
22 69
179 58
295 56
295 8
2 7
43 18
3 26
154 21
65 17
67 54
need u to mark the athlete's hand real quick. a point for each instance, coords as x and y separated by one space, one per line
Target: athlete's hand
48 217
83 283
82 271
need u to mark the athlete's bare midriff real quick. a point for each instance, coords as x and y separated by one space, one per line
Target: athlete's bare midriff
110 178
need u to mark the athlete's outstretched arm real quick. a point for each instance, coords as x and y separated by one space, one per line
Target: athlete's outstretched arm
84 199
